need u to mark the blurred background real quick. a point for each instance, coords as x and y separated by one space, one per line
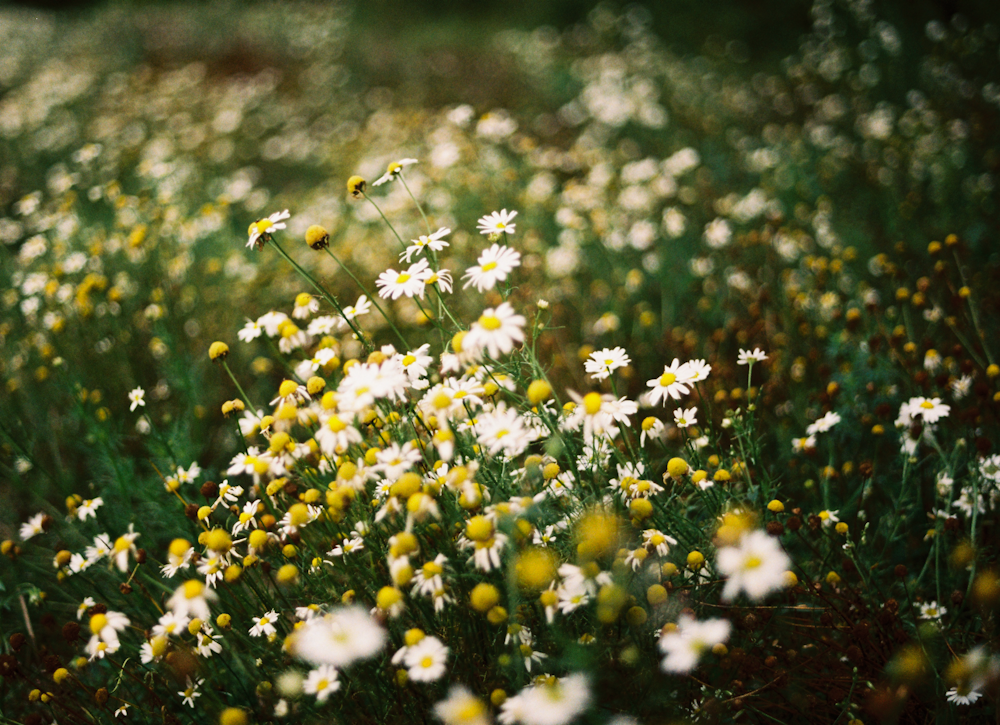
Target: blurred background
138 140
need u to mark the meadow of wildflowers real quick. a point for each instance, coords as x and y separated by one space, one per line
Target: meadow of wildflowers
667 392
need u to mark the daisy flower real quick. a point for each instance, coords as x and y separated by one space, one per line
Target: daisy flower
823 424
652 428
393 171
137 398
755 565
961 387
685 645
698 370
499 222
305 305
124 545
349 546
930 410
931 610
434 242
989 468
337 434
964 697
550 702
170 625
602 363
461 707
494 264
272 322
658 541
748 358
362 307
497 330
86 604
685 417
674 382
338 638
393 284
33 527
264 625
441 277
325 325
828 517
321 682
261 229
503 429
88 509
192 598
190 693
250 331
427 660
105 628
800 445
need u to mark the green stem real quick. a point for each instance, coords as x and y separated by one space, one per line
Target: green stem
387 223
239 387
427 224
373 298
325 293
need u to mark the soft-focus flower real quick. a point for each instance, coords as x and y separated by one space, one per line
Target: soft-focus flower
673 383
931 610
137 398
338 638
823 424
685 645
496 331
461 707
494 264
393 171
321 682
746 357
427 660
756 565
685 417
498 222
434 242
602 363
261 228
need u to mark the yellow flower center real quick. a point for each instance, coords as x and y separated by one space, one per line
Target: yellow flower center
193 588
752 562
409 360
472 710
489 266
667 379
403 278
927 405
490 322
592 403
98 622
336 424
427 662
432 568
322 685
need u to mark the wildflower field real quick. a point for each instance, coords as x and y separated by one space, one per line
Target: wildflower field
544 375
